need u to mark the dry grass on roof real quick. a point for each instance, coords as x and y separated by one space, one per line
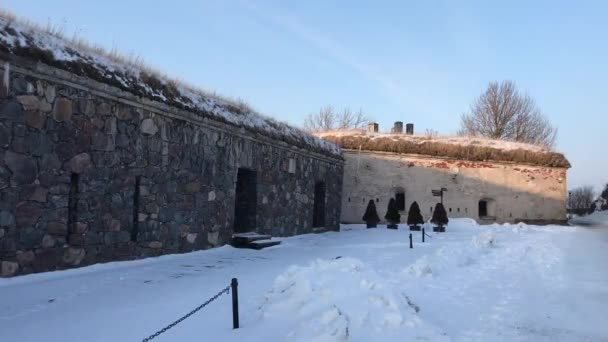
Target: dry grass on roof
463 152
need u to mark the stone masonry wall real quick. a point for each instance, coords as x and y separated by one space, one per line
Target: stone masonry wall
74 155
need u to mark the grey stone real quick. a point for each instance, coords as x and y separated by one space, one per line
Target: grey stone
25 258
5 177
148 127
48 241
62 110
2 232
80 163
213 238
57 228
155 244
30 103
191 237
73 256
11 110
102 142
6 219
27 213
9 269
35 119
22 167
39 194
49 93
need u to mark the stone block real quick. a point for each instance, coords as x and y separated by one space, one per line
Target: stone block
48 241
155 245
62 110
35 119
6 219
57 228
25 258
148 127
9 268
73 256
39 194
80 163
23 167
27 213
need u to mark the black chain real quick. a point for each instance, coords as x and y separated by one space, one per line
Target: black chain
225 290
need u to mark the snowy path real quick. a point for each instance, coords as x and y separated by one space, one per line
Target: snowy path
498 283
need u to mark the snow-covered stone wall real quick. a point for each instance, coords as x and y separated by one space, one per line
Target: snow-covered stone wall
511 192
92 173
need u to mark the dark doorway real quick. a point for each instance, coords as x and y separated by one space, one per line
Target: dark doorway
400 199
318 216
245 205
483 208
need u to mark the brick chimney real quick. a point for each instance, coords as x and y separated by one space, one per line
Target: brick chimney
398 128
409 129
372 127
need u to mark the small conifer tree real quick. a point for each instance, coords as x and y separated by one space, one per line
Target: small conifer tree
440 217
371 216
392 214
414 217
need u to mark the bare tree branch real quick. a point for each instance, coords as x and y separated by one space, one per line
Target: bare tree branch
581 198
501 112
328 119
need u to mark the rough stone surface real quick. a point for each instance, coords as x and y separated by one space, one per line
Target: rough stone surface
9 268
23 167
80 163
74 161
35 119
25 258
148 127
62 111
6 219
73 256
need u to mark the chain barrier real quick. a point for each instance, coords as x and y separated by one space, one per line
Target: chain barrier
226 290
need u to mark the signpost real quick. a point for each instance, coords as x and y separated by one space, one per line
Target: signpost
439 193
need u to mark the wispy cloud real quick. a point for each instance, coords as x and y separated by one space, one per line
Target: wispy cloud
389 87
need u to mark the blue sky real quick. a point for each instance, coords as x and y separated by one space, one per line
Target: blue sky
420 61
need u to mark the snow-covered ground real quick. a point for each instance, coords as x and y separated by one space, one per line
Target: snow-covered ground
473 283
598 218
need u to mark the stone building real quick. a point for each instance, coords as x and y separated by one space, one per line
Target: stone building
100 161
491 181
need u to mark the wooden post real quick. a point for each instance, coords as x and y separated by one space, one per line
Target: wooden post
411 245
422 234
235 303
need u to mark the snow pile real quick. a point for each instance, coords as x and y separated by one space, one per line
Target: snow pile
339 300
486 239
30 41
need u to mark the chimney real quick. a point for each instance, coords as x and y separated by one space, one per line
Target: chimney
409 129
372 127
398 128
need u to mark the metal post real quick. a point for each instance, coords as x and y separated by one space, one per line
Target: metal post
422 234
235 303
411 245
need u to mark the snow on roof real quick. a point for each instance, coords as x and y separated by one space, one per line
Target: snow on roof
49 46
467 148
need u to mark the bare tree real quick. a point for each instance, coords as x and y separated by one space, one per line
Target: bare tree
329 119
581 198
501 112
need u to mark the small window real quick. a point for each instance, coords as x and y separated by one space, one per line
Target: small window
431 209
292 165
466 210
349 199
400 199
377 200
458 209
450 209
483 208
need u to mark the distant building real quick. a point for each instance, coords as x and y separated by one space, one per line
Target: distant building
488 180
